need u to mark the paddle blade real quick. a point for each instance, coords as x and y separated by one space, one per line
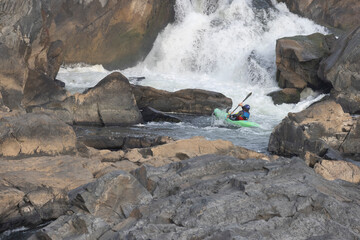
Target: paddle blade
247 96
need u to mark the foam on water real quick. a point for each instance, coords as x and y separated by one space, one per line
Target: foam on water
226 46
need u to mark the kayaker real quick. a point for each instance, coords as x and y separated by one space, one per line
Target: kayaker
244 114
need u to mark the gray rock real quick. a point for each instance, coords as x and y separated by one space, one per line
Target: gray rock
222 197
341 69
112 197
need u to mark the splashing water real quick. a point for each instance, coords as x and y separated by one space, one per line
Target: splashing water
226 46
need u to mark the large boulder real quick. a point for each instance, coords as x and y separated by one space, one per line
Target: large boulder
298 59
221 197
341 69
35 134
192 101
317 129
331 13
110 102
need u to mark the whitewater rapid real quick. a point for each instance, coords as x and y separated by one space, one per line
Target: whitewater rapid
218 45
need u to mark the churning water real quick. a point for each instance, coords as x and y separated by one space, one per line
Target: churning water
226 46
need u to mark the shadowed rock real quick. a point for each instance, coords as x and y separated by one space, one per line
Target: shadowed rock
192 101
341 69
287 95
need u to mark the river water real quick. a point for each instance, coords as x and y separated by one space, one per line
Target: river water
226 46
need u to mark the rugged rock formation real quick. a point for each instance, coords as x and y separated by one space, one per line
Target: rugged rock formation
34 190
110 102
331 13
38 36
341 69
35 134
216 197
321 127
29 57
193 101
298 59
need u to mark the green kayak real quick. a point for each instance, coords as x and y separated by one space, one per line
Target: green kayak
219 114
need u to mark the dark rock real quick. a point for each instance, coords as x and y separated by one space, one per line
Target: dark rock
332 154
120 142
40 89
341 70
103 142
298 59
191 101
150 114
331 13
287 95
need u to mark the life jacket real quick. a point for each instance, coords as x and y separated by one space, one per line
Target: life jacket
244 116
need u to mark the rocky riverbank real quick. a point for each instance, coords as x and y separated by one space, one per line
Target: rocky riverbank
306 187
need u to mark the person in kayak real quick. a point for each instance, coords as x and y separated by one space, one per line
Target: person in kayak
244 114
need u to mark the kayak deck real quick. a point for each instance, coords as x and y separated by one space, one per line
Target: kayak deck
219 114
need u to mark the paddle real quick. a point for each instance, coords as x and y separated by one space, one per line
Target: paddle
241 102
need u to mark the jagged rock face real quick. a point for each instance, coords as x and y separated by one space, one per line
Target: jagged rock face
38 36
341 69
220 197
322 126
25 51
298 59
332 13
35 134
193 101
